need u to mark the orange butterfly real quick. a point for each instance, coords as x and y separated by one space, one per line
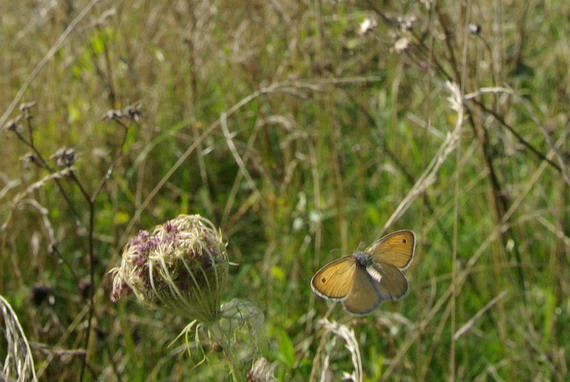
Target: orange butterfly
363 280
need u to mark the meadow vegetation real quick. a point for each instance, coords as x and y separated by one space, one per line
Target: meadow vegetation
297 128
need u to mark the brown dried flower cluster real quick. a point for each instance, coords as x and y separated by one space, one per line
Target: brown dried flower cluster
181 267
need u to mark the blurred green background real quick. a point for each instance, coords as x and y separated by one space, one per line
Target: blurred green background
297 127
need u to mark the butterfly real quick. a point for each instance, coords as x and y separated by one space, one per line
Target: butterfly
363 280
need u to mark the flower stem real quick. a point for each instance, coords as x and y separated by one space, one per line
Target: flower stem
232 367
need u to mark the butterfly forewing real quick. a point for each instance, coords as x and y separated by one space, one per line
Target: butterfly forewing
393 285
335 279
363 296
396 249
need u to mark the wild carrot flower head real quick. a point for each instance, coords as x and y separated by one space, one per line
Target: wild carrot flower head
181 267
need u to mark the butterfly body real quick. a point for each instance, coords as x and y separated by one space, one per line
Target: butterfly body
362 259
363 280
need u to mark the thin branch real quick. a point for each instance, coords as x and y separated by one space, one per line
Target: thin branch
469 324
520 138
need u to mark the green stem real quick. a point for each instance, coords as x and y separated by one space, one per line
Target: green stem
217 333
232 366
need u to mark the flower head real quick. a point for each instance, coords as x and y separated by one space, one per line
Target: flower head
181 267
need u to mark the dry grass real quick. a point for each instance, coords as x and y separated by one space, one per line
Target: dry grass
19 362
296 129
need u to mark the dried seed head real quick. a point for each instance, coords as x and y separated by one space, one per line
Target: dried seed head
28 158
15 125
401 45
133 111
181 267
367 25
64 157
261 371
41 293
112 114
406 22
26 106
474 29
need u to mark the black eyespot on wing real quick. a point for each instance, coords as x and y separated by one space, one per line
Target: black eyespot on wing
334 280
396 249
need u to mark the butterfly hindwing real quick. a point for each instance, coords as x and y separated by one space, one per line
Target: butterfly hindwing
396 249
364 295
393 285
335 279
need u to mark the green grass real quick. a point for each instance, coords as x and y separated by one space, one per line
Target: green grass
329 131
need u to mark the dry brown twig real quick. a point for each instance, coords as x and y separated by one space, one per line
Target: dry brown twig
429 175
